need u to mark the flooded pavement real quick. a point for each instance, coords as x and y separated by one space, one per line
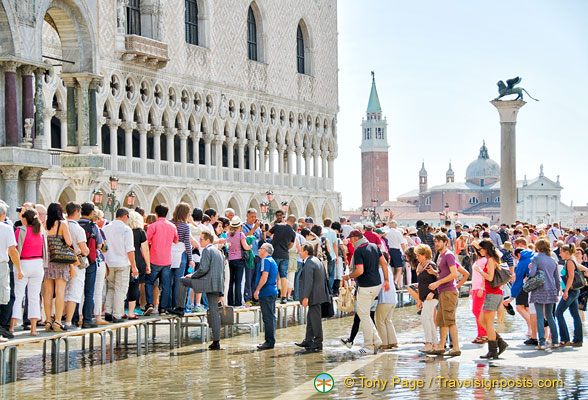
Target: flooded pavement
240 371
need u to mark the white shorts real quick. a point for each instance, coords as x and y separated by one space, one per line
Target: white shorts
74 290
291 276
532 308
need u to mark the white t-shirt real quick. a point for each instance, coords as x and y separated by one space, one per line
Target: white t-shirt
554 234
395 239
120 242
346 230
7 240
77 233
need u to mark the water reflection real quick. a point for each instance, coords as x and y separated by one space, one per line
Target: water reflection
240 371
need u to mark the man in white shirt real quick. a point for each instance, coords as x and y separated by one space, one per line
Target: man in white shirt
395 247
554 234
8 251
120 255
74 290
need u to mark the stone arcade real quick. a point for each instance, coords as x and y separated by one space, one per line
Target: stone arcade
209 102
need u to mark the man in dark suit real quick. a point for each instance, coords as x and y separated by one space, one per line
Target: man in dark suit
314 292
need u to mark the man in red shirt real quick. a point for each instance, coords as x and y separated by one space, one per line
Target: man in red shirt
160 235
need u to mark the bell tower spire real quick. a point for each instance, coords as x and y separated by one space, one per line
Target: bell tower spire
374 151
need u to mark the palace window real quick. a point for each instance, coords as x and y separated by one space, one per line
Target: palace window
428 201
474 200
251 35
192 22
300 50
134 17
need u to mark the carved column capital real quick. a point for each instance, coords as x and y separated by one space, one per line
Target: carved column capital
10 66
49 113
128 125
32 174
157 130
171 131
10 172
143 128
114 123
184 134
28 69
208 138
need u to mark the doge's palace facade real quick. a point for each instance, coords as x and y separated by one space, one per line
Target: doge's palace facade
209 102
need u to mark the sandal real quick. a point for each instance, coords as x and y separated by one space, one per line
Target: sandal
48 326
57 327
133 317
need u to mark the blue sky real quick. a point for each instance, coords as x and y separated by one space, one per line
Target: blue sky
437 64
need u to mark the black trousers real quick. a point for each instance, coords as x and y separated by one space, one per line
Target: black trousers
314 325
355 326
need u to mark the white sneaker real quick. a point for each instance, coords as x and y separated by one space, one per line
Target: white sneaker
3 339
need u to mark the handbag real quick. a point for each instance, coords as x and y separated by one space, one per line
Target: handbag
579 278
226 314
534 282
245 254
345 302
501 276
59 251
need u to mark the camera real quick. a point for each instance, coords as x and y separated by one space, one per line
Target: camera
18 209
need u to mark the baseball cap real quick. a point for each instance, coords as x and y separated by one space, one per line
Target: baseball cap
380 231
355 233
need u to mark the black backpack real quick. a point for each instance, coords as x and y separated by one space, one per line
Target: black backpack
326 253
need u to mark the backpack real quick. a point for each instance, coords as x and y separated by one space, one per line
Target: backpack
88 227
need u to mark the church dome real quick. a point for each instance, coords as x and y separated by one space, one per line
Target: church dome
483 167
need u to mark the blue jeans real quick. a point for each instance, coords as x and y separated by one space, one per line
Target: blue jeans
548 315
331 270
89 283
176 275
572 304
268 315
250 274
164 275
236 268
297 281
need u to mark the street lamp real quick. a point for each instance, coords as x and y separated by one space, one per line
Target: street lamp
112 204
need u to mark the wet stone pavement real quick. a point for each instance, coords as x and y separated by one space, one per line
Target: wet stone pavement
239 371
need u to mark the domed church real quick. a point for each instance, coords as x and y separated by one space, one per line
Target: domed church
538 200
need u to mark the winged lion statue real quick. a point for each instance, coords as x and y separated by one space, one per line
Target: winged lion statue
509 88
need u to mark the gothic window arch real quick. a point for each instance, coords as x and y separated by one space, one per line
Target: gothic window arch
428 201
191 20
134 17
474 200
300 61
252 35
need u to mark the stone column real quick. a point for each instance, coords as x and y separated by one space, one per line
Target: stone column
207 156
10 107
93 116
241 148
113 124
100 122
252 157
196 153
31 177
307 156
184 151
262 169
128 128
230 156
325 175
272 173
170 133
316 154
299 173
71 112
157 131
62 116
218 153
10 176
508 111
331 160
48 113
290 151
143 129
42 139
83 112
27 95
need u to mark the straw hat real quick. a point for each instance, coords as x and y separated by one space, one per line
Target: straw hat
236 222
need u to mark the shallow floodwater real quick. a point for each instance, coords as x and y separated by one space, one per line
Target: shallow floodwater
239 371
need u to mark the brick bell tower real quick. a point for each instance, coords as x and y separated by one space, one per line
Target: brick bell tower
374 152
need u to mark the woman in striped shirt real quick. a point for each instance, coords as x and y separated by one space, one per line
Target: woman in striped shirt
181 251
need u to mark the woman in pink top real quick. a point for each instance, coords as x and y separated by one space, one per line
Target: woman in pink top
237 244
31 245
478 294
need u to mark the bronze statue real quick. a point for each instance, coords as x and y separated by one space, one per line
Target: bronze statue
509 88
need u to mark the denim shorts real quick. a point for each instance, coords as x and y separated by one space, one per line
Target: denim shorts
282 266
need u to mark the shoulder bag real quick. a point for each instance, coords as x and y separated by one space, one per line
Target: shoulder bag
59 251
501 276
579 278
534 282
345 302
245 254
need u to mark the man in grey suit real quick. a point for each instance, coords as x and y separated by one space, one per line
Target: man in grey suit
314 293
209 279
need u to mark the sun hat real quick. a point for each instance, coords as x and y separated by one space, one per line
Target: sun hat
236 222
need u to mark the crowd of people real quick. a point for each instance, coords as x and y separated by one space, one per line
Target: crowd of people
69 269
